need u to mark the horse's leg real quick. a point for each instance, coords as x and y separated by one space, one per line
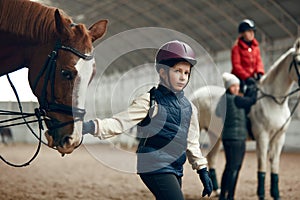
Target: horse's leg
11 137
262 142
276 145
4 138
212 159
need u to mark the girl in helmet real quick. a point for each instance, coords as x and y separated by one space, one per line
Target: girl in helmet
234 132
246 59
167 125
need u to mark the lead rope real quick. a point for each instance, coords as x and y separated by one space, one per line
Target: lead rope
39 116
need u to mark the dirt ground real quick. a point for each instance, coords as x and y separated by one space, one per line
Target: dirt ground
81 176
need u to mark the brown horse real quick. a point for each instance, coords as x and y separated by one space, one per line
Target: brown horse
59 56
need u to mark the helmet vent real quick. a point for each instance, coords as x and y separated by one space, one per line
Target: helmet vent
184 48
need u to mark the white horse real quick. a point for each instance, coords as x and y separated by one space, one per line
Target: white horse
270 116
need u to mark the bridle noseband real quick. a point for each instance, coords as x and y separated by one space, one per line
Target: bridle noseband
48 70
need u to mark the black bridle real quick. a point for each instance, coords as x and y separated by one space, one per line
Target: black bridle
49 69
295 63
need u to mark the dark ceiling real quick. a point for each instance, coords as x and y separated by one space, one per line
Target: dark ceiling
212 23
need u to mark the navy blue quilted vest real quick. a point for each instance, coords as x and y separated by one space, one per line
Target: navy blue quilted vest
163 143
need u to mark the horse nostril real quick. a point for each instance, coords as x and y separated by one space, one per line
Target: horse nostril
66 140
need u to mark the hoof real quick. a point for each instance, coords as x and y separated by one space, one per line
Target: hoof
261 198
216 193
277 198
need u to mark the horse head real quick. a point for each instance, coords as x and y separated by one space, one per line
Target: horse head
62 82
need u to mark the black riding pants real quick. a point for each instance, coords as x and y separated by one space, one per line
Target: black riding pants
164 186
234 153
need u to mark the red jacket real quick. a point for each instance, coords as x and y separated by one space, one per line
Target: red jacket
246 61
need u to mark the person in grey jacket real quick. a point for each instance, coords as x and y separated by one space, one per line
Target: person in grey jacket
169 130
234 132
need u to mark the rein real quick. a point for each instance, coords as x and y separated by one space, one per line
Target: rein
275 98
48 69
23 116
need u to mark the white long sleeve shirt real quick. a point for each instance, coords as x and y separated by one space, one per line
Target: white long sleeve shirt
135 113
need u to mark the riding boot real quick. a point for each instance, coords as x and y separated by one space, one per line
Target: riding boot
274 186
213 177
261 185
222 198
232 180
224 185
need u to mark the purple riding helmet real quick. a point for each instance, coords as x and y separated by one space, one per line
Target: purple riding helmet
173 52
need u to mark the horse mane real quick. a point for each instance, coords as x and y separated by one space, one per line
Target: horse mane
28 19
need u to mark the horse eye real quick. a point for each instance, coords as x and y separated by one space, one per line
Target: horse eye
66 74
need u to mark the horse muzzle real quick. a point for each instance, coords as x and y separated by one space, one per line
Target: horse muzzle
64 138
64 146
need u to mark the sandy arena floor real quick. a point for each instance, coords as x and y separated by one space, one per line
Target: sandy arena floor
81 176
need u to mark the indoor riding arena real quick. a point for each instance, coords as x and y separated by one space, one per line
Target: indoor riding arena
34 167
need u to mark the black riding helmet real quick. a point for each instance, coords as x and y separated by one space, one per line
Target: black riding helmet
245 25
173 52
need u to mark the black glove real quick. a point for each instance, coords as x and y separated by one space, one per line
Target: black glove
206 181
258 76
250 81
251 91
88 127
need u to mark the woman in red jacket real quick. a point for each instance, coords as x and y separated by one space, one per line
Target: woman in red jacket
246 60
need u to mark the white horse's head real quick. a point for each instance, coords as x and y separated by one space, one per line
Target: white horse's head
285 70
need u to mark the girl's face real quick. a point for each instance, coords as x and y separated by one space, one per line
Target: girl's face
178 76
234 89
248 35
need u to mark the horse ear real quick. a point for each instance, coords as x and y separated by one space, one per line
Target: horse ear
98 29
60 22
